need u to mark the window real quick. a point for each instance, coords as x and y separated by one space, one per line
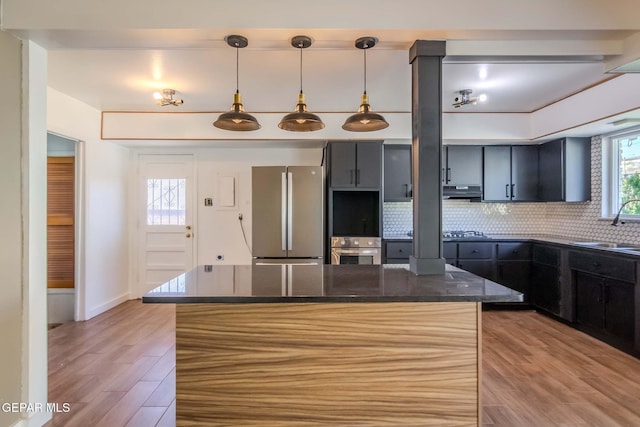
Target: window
166 201
625 174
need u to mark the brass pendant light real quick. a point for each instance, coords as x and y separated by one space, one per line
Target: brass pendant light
364 120
237 119
301 120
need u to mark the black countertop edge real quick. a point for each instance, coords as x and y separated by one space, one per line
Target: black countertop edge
167 299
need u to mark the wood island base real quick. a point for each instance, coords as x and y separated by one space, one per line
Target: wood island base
312 364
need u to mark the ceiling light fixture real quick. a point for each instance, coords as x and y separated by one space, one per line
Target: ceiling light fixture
624 121
364 120
301 120
165 97
464 98
237 119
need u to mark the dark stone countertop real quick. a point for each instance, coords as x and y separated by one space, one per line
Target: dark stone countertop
280 283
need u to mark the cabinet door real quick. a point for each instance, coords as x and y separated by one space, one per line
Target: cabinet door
397 173
464 165
369 165
497 173
552 171
515 275
477 267
514 251
589 300
343 164
619 309
545 287
524 172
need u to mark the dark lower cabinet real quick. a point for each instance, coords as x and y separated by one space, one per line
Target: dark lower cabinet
606 308
516 275
545 288
546 293
480 268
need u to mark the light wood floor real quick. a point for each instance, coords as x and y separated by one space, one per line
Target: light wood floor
118 369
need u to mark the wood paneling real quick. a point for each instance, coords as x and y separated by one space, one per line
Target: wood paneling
376 364
60 220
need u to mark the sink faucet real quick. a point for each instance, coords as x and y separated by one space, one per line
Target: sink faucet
616 220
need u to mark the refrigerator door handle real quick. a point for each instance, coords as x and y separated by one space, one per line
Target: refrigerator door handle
283 216
290 211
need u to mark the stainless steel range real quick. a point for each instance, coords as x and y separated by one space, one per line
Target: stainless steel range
356 250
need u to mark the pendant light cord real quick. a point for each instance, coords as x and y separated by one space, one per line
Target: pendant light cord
365 69
300 45
237 69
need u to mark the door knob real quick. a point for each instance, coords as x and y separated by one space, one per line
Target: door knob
188 235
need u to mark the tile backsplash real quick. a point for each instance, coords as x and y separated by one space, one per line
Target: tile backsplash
573 220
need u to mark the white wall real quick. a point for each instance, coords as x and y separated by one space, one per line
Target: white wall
219 230
23 359
10 226
103 256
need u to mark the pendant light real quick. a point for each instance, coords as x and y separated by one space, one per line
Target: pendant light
364 120
237 119
301 120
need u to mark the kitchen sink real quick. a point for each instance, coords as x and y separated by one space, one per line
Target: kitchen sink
609 245
600 244
627 249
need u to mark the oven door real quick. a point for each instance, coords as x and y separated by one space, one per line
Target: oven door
356 255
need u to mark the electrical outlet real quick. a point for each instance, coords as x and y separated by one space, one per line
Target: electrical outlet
240 216
220 257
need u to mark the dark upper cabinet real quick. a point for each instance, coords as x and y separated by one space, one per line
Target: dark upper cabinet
397 173
462 165
565 170
356 165
511 173
524 173
497 173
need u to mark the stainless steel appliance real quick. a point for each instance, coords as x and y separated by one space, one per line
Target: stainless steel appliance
287 207
356 250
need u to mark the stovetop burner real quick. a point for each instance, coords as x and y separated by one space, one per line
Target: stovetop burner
461 234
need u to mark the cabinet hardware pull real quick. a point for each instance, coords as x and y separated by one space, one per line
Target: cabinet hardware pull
357 176
512 193
448 175
443 176
506 191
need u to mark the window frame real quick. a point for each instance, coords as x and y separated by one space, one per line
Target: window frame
611 174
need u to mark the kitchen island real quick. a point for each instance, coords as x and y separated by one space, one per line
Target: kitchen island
303 345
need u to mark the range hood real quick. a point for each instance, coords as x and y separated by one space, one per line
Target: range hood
461 191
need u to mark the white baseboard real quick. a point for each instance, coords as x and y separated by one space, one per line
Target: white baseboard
61 290
108 305
37 420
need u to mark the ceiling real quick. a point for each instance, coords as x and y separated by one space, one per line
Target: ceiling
125 79
522 61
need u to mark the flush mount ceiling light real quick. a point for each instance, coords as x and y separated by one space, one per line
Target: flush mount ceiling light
237 119
624 121
301 120
166 97
364 120
464 98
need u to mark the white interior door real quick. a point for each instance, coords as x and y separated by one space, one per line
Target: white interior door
166 231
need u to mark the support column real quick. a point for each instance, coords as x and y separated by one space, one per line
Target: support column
425 57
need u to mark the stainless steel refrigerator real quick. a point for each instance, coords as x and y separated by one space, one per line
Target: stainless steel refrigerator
287 214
